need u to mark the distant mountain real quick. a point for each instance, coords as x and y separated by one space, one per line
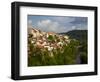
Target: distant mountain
80 35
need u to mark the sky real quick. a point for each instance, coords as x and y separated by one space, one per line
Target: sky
58 24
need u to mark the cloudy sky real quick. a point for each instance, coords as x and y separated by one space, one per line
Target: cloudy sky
57 24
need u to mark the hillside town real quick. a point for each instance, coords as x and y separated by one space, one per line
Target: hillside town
46 40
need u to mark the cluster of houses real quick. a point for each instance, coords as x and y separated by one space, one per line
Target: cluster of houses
47 40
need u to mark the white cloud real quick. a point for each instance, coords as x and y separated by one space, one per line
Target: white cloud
49 25
30 22
79 27
73 27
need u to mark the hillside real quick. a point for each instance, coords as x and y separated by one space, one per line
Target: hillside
49 48
42 39
80 35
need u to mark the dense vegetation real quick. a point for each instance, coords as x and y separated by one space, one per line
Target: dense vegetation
81 36
65 56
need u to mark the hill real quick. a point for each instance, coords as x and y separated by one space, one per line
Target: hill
49 48
80 35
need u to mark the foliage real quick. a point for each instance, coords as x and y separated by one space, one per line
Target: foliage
64 50
64 56
80 35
